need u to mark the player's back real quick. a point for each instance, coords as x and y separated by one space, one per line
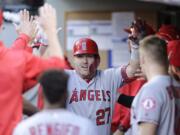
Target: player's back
55 122
155 104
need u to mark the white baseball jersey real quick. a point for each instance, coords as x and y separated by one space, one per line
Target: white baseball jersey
55 122
155 104
95 99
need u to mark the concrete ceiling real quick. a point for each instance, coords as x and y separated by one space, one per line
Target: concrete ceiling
167 2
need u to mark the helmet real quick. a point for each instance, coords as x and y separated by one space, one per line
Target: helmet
85 46
1 17
168 32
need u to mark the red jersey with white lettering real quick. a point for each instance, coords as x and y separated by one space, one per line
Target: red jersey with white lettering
55 122
19 72
95 99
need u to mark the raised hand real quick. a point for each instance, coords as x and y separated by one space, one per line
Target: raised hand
48 19
138 30
139 74
27 25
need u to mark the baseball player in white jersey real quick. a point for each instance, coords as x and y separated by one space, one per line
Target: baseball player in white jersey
92 93
94 100
54 122
54 119
153 109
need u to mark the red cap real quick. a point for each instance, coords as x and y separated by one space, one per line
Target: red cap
168 32
141 24
1 17
174 52
170 46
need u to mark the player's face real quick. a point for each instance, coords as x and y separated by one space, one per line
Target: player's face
86 65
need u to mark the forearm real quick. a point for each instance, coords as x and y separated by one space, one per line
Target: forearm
131 68
54 47
133 63
48 21
138 30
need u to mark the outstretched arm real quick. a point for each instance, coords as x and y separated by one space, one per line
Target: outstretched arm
26 31
48 21
138 30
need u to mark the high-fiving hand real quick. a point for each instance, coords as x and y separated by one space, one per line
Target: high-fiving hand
27 24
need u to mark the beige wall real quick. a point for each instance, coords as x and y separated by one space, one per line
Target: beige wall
63 6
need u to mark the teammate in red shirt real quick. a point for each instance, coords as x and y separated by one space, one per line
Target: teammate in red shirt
168 32
174 70
19 70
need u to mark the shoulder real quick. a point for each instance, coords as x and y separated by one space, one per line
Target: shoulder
156 89
25 124
157 83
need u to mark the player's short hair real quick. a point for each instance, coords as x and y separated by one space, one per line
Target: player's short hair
54 85
156 49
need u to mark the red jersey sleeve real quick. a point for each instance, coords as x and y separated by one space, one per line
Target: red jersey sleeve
121 118
22 43
34 66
